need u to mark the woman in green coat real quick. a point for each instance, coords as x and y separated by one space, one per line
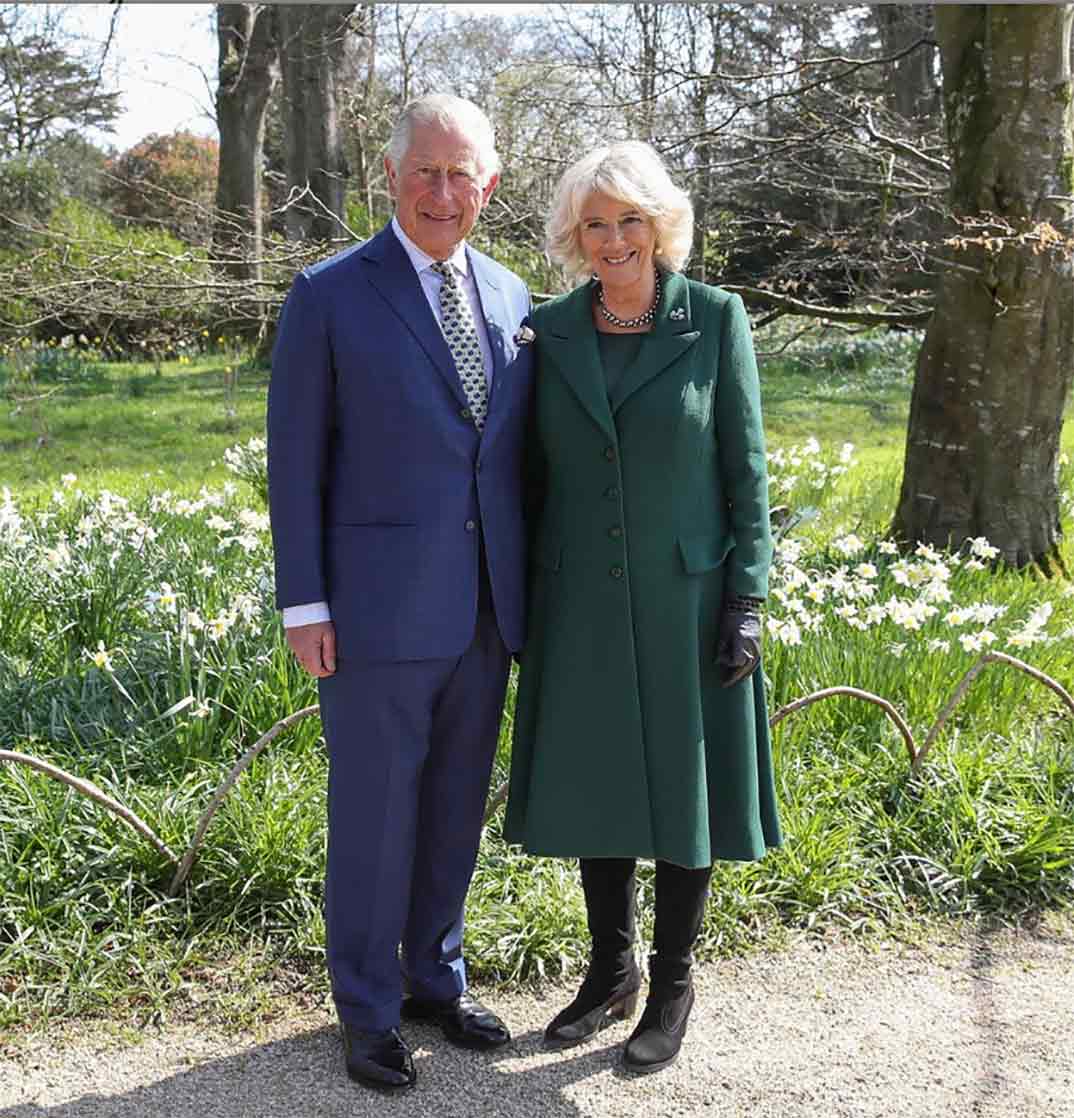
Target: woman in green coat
640 729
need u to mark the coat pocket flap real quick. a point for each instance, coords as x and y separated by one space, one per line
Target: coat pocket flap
548 554
703 553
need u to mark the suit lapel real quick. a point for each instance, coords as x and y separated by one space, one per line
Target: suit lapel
394 278
570 340
494 309
497 315
673 333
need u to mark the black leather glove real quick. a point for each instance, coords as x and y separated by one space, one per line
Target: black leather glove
738 647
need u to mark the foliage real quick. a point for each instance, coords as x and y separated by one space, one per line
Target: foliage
82 275
29 189
48 87
166 182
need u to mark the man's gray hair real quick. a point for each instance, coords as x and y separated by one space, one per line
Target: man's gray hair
448 111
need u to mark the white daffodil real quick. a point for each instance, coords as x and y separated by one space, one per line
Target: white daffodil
982 549
849 545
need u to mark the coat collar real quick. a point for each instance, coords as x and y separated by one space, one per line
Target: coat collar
571 341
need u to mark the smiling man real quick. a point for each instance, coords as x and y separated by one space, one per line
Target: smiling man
396 412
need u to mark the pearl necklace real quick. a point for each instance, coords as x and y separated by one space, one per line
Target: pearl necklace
628 323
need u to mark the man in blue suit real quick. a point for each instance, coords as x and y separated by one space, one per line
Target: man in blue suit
401 380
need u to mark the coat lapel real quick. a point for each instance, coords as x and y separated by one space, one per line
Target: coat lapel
571 342
393 276
673 333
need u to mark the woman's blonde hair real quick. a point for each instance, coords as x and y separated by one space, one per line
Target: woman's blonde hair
632 172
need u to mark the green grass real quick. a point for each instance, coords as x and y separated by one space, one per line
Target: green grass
123 426
159 600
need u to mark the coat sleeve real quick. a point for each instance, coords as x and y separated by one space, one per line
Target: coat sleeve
740 439
300 406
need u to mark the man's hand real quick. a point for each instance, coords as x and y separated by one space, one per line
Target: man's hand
315 647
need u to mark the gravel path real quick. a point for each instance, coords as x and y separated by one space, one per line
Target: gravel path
976 1027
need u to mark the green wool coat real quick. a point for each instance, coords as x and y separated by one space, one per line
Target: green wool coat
651 506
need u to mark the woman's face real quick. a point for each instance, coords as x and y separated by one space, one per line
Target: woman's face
618 241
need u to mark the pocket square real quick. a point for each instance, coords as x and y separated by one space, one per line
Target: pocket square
524 335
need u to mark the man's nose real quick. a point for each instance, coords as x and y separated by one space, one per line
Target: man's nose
441 185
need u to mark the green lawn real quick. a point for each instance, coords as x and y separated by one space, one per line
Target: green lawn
123 427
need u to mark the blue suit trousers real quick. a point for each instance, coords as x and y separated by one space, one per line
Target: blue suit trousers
411 746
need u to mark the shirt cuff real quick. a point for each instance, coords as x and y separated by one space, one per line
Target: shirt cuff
308 614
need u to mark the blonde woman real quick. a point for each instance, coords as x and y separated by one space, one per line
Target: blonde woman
640 729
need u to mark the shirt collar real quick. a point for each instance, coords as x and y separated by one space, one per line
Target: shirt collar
422 260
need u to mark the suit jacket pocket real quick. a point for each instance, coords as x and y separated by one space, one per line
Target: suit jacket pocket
704 553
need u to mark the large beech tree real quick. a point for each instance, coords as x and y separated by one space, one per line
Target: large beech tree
248 72
312 41
995 370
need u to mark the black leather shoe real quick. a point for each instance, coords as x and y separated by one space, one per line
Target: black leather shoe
608 994
464 1021
378 1059
656 1041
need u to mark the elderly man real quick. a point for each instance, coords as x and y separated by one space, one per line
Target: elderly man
400 386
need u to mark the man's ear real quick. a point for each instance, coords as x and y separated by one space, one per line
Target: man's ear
389 170
489 187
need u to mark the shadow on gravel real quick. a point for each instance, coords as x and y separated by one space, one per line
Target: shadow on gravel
991 1082
304 1076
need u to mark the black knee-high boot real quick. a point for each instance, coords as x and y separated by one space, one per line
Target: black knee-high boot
680 907
610 989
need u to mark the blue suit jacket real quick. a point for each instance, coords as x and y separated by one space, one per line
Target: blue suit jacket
377 481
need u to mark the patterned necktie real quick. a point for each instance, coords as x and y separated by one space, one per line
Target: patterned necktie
460 331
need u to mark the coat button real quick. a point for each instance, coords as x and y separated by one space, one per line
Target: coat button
609 453
616 572
615 531
469 526
465 413
612 492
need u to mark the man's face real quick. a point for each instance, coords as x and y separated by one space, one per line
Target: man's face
437 188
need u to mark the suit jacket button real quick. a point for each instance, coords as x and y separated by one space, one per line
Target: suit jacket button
469 526
616 572
615 531
612 492
609 453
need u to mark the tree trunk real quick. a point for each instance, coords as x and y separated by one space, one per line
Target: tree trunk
248 71
912 90
312 42
995 370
